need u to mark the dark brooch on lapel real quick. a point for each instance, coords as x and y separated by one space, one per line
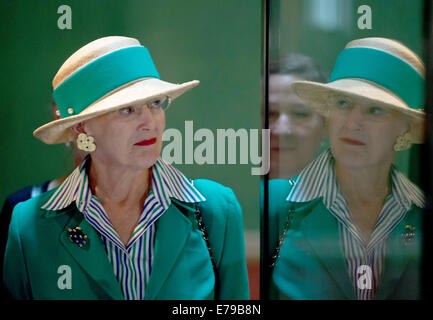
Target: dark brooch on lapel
77 236
409 234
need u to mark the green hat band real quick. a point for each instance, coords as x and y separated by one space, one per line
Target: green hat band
384 69
102 76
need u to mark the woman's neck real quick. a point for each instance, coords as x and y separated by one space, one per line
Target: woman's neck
365 191
117 185
367 185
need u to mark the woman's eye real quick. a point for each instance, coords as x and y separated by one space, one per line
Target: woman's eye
126 110
340 103
301 114
377 111
161 103
343 104
155 103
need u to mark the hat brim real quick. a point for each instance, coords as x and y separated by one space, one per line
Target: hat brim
58 131
316 95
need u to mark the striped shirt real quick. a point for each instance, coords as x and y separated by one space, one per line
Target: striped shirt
318 180
132 264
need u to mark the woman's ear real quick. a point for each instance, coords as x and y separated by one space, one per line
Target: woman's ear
418 130
408 127
77 129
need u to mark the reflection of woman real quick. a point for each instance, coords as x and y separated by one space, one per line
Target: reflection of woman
124 224
351 223
296 130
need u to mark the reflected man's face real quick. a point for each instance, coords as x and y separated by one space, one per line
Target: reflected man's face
296 130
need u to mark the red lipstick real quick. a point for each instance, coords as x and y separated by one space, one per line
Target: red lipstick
352 142
146 142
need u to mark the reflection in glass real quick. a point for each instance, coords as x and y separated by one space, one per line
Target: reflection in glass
350 222
296 130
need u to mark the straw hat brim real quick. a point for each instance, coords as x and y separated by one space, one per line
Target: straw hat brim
316 95
58 131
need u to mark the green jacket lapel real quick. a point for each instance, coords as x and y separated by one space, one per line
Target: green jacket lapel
321 230
172 231
92 256
399 253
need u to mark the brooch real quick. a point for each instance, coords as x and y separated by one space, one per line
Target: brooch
77 236
409 235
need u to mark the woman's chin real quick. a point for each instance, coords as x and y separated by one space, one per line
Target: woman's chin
146 161
146 152
351 157
140 160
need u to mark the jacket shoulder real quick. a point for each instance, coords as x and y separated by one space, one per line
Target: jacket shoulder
31 208
211 188
29 214
281 210
279 189
220 200
222 213
222 216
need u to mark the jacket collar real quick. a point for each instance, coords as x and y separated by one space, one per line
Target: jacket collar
92 256
174 228
321 232
401 254
317 185
169 185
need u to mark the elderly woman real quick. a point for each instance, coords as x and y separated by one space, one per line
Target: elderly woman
350 222
124 224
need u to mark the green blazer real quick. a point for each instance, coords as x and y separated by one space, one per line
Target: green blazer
38 244
311 263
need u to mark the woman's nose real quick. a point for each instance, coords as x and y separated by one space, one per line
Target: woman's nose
146 118
354 120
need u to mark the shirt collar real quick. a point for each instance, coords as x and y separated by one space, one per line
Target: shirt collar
318 180
312 182
75 188
167 182
406 192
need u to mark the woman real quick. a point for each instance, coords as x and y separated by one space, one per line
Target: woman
350 228
124 224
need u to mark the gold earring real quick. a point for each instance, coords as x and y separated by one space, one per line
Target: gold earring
85 143
403 142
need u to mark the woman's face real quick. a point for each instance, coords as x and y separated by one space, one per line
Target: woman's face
296 130
363 134
131 136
